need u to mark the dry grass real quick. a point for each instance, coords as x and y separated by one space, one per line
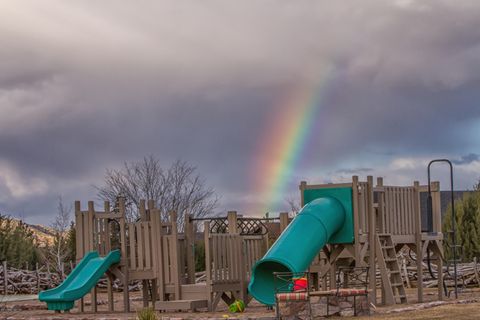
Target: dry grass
254 310
451 311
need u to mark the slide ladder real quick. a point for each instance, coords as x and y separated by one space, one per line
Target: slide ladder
390 270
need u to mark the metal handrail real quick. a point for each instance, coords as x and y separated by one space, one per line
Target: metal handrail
430 215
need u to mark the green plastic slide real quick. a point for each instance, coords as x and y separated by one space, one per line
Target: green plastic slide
80 281
321 221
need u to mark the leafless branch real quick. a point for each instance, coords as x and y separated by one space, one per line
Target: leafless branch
178 188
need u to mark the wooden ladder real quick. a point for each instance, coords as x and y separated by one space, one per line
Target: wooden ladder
390 270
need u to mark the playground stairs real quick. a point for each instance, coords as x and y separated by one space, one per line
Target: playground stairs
191 297
390 270
181 305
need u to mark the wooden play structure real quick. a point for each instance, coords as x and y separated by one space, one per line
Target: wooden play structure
162 257
386 220
160 254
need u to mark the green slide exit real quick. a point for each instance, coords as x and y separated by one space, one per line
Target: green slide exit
321 221
80 281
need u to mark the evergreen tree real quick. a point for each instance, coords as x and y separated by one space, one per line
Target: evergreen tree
6 229
467 213
17 243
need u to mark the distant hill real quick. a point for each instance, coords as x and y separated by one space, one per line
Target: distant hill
43 235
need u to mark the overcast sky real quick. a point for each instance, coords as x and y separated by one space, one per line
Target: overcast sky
87 85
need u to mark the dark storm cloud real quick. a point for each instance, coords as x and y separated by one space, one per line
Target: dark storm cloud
89 85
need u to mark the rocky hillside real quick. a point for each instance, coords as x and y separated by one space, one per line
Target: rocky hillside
44 235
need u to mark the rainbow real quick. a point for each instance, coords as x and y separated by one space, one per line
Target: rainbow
285 141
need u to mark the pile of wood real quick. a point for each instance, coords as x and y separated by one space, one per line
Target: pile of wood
468 274
21 281
17 281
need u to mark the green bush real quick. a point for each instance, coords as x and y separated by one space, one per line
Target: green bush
146 314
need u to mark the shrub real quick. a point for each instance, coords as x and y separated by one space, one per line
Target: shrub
146 314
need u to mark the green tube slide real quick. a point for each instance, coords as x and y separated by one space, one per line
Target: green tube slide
298 245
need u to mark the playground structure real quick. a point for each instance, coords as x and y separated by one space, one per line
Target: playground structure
162 257
378 221
356 224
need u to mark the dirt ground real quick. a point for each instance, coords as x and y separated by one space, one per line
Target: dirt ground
33 309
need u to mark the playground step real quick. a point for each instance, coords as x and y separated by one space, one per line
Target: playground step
183 305
389 269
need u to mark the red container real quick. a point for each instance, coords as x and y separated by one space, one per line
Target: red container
300 284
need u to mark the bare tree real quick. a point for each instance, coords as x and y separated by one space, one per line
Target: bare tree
59 250
294 204
178 188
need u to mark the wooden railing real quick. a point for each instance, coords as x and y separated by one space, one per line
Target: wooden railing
254 248
398 215
140 255
225 258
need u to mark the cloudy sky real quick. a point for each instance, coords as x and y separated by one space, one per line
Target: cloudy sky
87 85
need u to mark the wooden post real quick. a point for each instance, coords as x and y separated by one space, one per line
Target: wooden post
177 267
142 210
436 207
108 248
91 246
418 241
440 273
38 277
111 303
79 243
381 213
78 232
124 261
5 278
303 186
91 226
232 222
151 207
208 264
233 229
372 229
356 225
158 253
189 248
145 292
108 236
283 221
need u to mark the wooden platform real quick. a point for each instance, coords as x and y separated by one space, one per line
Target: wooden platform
180 305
